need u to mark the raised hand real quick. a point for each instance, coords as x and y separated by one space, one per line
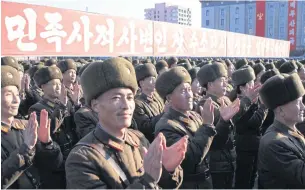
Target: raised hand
253 93
30 132
175 154
153 158
44 128
63 98
207 112
227 112
76 93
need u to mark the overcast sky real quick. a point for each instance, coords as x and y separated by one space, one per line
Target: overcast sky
125 8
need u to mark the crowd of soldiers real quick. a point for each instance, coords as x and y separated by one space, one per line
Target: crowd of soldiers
137 124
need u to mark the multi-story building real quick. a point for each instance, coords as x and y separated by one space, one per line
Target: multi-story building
242 16
169 13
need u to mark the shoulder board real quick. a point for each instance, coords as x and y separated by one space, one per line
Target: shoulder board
5 128
19 124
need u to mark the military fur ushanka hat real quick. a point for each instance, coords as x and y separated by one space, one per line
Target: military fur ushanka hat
145 70
171 79
46 74
9 77
10 61
99 77
281 89
66 65
243 75
259 67
51 62
268 74
193 72
288 67
240 63
161 64
211 72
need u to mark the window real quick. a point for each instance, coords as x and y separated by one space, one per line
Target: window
270 31
282 30
250 11
236 29
237 21
222 22
207 12
207 22
237 10
222 12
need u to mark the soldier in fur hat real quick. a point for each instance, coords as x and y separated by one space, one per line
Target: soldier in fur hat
172 62
282 149
54 101
161 66
180 120
197 89
113 148
248 129
68 69
270 117
28 154
289 67
149 105
222 161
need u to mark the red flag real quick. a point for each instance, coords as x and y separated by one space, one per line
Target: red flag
292 23
260 18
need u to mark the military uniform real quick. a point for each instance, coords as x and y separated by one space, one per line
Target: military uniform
87 168
281 155
248 122
222 152
147 113
31 97
281 162
22 168
175 125
62 131
85 119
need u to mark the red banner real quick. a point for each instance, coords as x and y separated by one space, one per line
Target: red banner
260 18
292 23
31 30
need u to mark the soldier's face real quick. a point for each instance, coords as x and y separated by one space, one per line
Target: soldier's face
196 88
148 85
115 108
69 76
293 112
219 86
181 98
10 101
52 89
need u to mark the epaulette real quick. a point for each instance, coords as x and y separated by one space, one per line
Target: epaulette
19 124
4 128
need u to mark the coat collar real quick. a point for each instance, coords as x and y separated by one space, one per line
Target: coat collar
179 116
113 142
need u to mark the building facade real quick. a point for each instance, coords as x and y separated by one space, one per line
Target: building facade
242 16
169 13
